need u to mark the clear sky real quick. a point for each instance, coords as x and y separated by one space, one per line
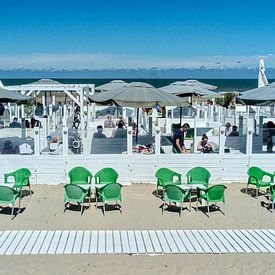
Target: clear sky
141 33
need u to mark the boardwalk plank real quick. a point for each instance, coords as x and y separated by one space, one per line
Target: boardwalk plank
109 242
23 242
201 241
155 242
7 242
62 242
55 242
262 239
216 241
15 242
172 245
187 243
35 243
219 236
140 243
147 242
124 241
194 242
178 241
78 242
209 242
94 241
243 245
232 241
117 242
101 242
270 236
70 242
47 242
86 242
132 242
4 236
244 236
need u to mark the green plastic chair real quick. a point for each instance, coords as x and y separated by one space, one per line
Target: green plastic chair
80 175
213 194
173 193
9 196
198 175
106 175
75 193
21 178
256 177
272 196
167 176
110 192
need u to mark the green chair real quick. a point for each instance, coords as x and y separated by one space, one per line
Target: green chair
80 175
212 194
198 175
21 178
106 175
110 192
173 193
259 178
8 196
75 193
272 196
165 176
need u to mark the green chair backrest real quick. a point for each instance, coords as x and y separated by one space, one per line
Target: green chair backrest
6 193
80 175
74 191
256 172
173 192
165 175
111 191
106 175
215 192
19 175
198 174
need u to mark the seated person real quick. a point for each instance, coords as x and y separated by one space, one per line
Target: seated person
108 123
178 139
120 132
234 132
228 129
8 148
15 123
121 121
204 146
99 133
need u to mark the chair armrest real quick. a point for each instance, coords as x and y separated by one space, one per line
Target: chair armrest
8 175
253 178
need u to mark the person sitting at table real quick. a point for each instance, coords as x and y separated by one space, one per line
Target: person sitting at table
99 133
204 146
15 123
8 148
178 139
108 123
120 132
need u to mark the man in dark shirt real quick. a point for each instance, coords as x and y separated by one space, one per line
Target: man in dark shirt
15 123
178 139
99 133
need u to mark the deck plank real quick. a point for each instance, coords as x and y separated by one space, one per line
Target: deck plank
172 245
217 241
94 242
124 241
4 236
232 241
62 242
201 241
35 243
86 242
155 241
262 239
47 242
219 236
15 242
132 242
140 242
23 242
181 247
101 242
194 241
109 242
243 235
215 249
70 242
78 242
55 242
8 241
187 243
117 242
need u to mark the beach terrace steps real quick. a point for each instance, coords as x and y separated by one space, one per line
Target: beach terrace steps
151 242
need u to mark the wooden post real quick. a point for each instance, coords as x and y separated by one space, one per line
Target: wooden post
129 140
222 138
36 141
65 140
157 140
82 122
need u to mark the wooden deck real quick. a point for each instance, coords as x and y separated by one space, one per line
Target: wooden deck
34 242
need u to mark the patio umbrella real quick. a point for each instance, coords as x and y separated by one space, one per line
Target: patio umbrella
264 95
138 95
12 96
114 84
190 88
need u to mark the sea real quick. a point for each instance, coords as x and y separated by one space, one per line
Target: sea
224 85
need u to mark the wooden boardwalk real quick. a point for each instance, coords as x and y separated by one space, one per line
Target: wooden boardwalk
34 242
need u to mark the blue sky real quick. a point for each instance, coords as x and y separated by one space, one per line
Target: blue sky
116 33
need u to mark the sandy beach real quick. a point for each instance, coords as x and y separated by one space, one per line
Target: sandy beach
141 210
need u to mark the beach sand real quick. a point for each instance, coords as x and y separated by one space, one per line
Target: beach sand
141 210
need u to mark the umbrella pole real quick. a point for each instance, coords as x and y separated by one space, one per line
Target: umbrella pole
137 125
180 114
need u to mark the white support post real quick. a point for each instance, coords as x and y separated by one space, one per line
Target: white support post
222 138
129 140
50 117
65 140
10 111
36 141
249 136
65 115
53 100
195 134
93 104
89 117
22 111
44 105
18 112
82 122
43 133
157 140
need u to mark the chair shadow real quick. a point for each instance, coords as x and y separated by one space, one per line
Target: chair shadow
252 192
212 207
158 193
26 193
173 208
109 208
266 205
76 207
7 211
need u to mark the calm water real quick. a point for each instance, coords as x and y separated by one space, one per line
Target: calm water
223 84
